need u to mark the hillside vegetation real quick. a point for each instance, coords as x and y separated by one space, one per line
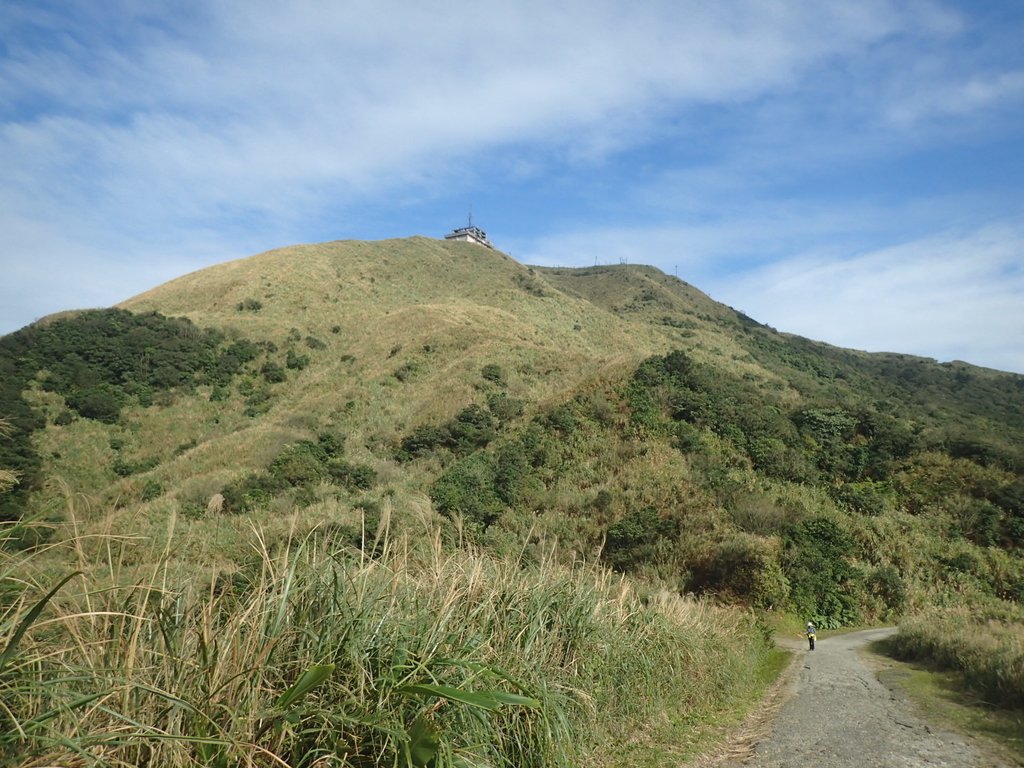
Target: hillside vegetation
356 395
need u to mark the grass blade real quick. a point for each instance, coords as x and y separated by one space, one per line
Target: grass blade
470 698
30 617
310 679
514 699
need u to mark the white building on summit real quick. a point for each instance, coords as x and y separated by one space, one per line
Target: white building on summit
470 234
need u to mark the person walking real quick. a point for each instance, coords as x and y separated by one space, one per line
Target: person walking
810 633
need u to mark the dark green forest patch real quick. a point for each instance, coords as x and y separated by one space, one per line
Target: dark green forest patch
865 460
99 361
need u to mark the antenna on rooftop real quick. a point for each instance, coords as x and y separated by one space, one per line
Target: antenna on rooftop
469 232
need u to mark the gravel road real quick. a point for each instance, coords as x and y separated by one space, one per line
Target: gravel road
837 714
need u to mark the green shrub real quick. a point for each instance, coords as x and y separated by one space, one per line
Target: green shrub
1013 531
505 408
869 497
562 418
422 441
330 444
352 476
495 374
644 412
64 418
978 520
407 370
638 538
473 428
101 403
126 468
153 489
515 478
743 568
467 488
257 400
824 585
295 361
887 583
273 373
253 492
298 467
603 501
298 464
250 305
686 437
826 425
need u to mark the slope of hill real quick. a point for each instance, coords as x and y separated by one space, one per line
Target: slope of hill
375 341
611 414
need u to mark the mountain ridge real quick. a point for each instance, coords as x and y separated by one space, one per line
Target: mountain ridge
412 292
380 339
438 401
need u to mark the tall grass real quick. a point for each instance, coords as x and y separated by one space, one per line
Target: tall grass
986 645
312 654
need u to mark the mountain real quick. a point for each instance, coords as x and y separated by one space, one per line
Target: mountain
616 409
412 502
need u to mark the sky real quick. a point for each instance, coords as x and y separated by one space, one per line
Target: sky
849 172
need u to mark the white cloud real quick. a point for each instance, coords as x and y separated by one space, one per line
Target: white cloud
140 139
261 95
949 296
956 97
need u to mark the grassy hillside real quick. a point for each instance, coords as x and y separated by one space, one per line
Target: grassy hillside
382 337
420 390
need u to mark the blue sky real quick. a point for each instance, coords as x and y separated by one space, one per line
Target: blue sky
851 172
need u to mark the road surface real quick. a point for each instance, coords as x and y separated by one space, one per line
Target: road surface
835 714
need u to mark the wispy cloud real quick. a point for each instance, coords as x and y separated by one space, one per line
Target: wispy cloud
158 136
941 296
258 103
960 97
955 294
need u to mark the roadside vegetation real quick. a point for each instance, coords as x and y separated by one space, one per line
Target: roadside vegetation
944 696
313 653
985 643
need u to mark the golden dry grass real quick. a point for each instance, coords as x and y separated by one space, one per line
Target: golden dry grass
140 629
441 309
985 643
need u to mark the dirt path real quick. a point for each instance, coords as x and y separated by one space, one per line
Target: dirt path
837 714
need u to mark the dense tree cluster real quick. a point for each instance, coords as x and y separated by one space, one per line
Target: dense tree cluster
868 455
99 361
297 470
